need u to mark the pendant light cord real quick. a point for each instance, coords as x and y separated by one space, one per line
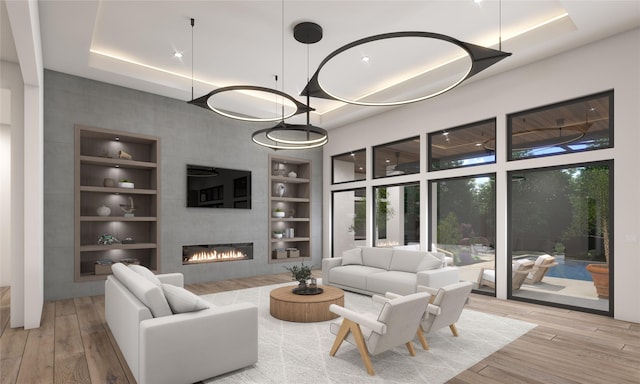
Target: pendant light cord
308 92
193 22
282 55
500 25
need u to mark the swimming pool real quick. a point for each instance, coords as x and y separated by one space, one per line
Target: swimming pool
570 269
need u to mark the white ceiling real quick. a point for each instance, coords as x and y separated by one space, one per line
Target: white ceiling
131 43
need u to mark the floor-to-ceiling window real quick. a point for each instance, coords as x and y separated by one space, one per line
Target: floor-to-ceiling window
560 217
462 222
349 219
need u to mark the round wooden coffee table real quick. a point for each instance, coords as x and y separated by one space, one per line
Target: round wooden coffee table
286 305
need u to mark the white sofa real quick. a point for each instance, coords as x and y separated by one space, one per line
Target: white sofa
371 271
161 346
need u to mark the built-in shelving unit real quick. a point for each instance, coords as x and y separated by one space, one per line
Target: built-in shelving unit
290 192
100 164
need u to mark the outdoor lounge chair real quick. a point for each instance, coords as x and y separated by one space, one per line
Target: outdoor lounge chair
519 271
540 268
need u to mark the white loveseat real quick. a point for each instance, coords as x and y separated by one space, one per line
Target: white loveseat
161 346
372 271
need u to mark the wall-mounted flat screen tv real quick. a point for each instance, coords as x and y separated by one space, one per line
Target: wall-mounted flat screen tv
214 187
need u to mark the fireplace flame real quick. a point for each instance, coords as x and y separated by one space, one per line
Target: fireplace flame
215 255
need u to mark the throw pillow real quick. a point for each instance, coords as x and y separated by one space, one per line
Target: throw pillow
352 256
148 293
429 262
146 273
182 301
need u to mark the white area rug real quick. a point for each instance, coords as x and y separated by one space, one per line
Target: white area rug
298 353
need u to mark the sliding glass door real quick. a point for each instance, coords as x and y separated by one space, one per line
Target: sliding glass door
463 224
560 231
397 215
349 220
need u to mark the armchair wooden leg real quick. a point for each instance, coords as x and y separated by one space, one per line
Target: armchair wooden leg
346 327
362 347
454 330
422 339
342 334
412 351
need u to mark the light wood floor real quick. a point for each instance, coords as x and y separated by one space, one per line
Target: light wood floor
73 345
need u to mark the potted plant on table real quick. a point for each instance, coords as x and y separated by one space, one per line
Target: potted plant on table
300 274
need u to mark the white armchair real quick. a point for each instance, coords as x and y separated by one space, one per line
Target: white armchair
445 309
375 333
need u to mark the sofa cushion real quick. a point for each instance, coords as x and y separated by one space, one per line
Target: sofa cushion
544 259
181 301
146 273
352 256
148 293
377 257
401 283
517 264
407 261
353 275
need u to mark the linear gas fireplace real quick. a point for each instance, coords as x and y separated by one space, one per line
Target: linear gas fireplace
212 253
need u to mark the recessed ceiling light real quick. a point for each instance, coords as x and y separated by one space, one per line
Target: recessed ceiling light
177 55
478 144
365 59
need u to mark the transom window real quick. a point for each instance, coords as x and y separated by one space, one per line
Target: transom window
463 146
350 166
582 124
397 158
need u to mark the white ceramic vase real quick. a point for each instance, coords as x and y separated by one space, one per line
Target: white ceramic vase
103 210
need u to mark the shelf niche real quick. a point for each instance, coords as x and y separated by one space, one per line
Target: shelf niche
102 154
290 192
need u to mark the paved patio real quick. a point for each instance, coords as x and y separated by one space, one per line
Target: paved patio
553 289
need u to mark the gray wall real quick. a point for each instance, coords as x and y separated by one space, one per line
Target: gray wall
188 135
